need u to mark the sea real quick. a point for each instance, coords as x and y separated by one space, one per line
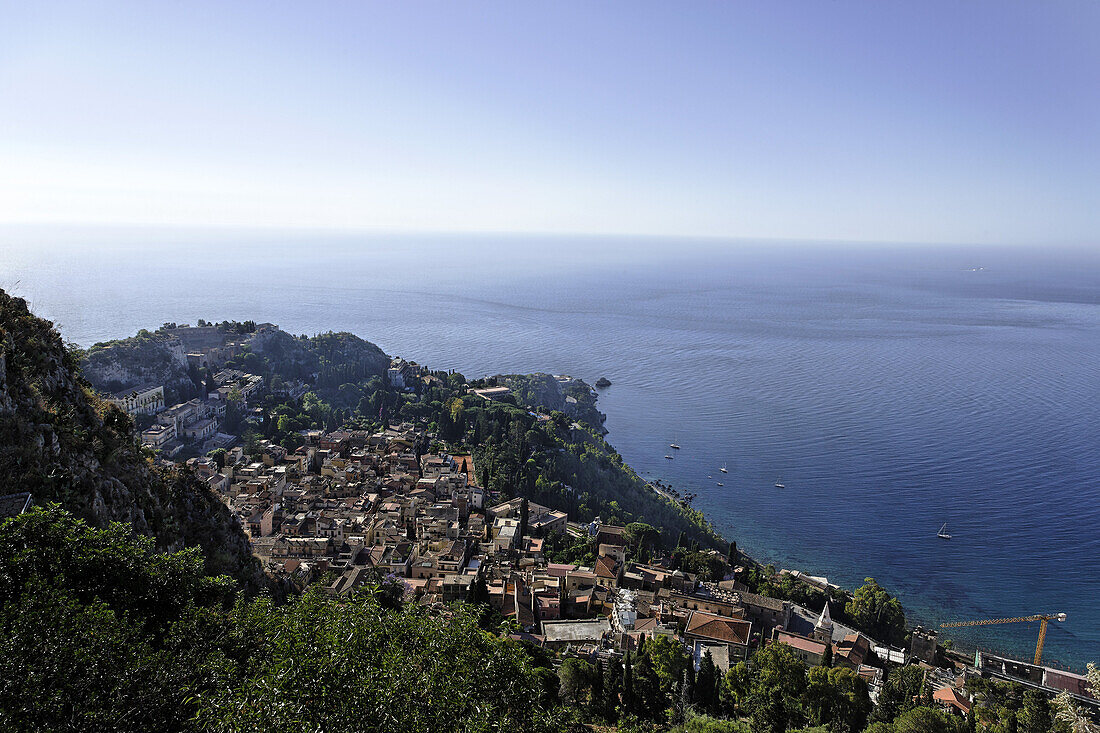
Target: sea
889 388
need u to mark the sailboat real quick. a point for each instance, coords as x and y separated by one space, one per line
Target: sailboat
723 469
942 534
779 484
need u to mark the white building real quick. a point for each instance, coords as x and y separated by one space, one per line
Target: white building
147 400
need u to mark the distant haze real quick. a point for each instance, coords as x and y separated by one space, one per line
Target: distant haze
923 122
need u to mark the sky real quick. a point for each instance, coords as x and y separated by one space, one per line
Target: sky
971 121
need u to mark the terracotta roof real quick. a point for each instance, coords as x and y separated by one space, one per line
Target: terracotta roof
720 628
605 567
801 642
951 697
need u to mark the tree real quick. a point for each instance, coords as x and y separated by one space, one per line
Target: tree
629 704
827 656
1071 713
218 454
577 677
838 698
735 689
641 536
769 712
899 693
669 661
706 685
874 610
775 697
1036 715
927 720
524 513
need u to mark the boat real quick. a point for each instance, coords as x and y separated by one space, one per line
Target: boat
779 484
721 484
669 457
673 445
942 534
723 469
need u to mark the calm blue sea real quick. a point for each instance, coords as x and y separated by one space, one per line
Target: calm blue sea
892 389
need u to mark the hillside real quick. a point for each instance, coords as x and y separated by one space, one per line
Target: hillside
147 358
62 443
160 357
570 396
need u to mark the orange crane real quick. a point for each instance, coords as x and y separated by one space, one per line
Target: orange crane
1042 617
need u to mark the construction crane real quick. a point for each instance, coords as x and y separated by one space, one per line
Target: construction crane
1041 617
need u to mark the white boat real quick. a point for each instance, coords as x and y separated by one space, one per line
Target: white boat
673 445
779 484
721 484
669 457
723 469
942 534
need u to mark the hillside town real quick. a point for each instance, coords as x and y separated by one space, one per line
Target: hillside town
349 508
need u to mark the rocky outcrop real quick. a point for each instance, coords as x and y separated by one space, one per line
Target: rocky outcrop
64 444
148 358
574 397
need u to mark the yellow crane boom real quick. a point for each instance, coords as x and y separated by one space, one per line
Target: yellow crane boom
1042 617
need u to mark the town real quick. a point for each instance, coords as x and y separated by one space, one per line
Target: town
349 508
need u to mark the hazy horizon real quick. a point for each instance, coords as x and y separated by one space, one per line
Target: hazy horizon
939 122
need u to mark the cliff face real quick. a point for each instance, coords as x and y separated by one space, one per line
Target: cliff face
144 359
575 398
158 358
64 444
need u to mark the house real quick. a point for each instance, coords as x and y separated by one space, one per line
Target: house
810 651
710 629
765 613
951 700
492 394
563 634
147 400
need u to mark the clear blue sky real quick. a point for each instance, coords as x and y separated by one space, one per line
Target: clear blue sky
963 121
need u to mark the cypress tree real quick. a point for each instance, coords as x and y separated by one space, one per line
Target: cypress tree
628 685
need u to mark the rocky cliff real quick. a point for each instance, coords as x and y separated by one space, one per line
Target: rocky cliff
64 444
573 397
148 358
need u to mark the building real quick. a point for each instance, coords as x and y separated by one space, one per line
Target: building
562 634
924 644
157 435
492 393
710 629
147 400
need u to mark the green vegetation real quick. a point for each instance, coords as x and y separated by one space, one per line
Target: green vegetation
102 632
62 443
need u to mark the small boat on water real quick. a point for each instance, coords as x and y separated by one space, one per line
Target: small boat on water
673 445
779 484
669 457
723 469
942 534
721 484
